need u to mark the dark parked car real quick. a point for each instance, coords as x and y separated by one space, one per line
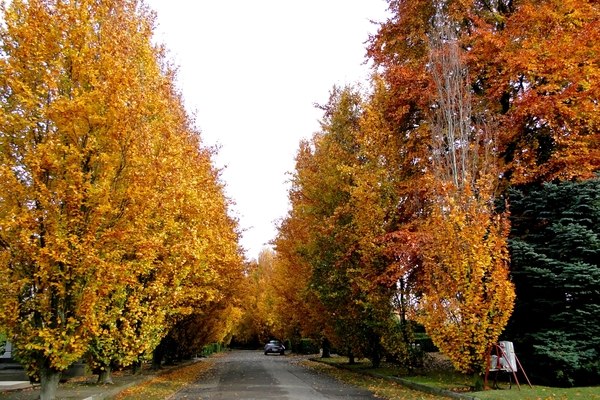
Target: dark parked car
274 346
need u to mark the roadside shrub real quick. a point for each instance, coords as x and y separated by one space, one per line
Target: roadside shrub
425 343
3 338
306 346
211 349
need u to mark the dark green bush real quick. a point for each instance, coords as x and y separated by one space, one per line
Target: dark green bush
425 343
306 346
3 338
211 349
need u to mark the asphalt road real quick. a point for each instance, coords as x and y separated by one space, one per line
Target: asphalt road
245 374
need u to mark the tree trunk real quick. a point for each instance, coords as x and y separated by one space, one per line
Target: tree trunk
376 359
105 377
49 378
136 368
478 381
326 349
157 357
351 359
169 359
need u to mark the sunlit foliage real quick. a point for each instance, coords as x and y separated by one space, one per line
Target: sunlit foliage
113 223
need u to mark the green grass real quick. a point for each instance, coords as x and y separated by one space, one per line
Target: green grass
444 379
541 392
381 387
453 380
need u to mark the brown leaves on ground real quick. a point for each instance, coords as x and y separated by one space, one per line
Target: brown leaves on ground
166 384
381 387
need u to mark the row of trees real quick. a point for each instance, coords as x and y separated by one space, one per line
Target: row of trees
114 229
400 204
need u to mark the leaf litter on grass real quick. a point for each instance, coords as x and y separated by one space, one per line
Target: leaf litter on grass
166 384
380 387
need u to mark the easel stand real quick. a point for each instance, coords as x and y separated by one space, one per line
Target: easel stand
502 358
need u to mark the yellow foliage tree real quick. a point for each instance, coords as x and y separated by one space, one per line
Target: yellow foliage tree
113 223
261 321
467 296
73 124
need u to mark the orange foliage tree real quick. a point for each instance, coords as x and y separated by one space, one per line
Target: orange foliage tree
533 72
342 204
527 103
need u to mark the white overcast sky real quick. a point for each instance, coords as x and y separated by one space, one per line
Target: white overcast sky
251 71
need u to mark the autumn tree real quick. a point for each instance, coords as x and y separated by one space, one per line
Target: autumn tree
340 200
522 73
467 297
70 124
112 220
260 320
337 275
327 187
301 312
532 72
196 266
536 68
197 261
386 196
306 243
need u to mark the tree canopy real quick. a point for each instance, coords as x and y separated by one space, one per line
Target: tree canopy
403 192
465 169
113 222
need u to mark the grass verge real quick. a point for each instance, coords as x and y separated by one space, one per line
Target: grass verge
434 375
381 387
453 380
166 384
541 392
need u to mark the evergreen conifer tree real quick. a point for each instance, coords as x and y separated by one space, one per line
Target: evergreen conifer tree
555 250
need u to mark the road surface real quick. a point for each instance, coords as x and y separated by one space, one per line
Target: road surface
246 374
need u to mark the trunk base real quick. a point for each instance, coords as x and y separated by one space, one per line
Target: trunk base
326 349
478 382
49 383
105 377
136 368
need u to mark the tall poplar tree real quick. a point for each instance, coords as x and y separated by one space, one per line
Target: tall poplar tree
467 297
